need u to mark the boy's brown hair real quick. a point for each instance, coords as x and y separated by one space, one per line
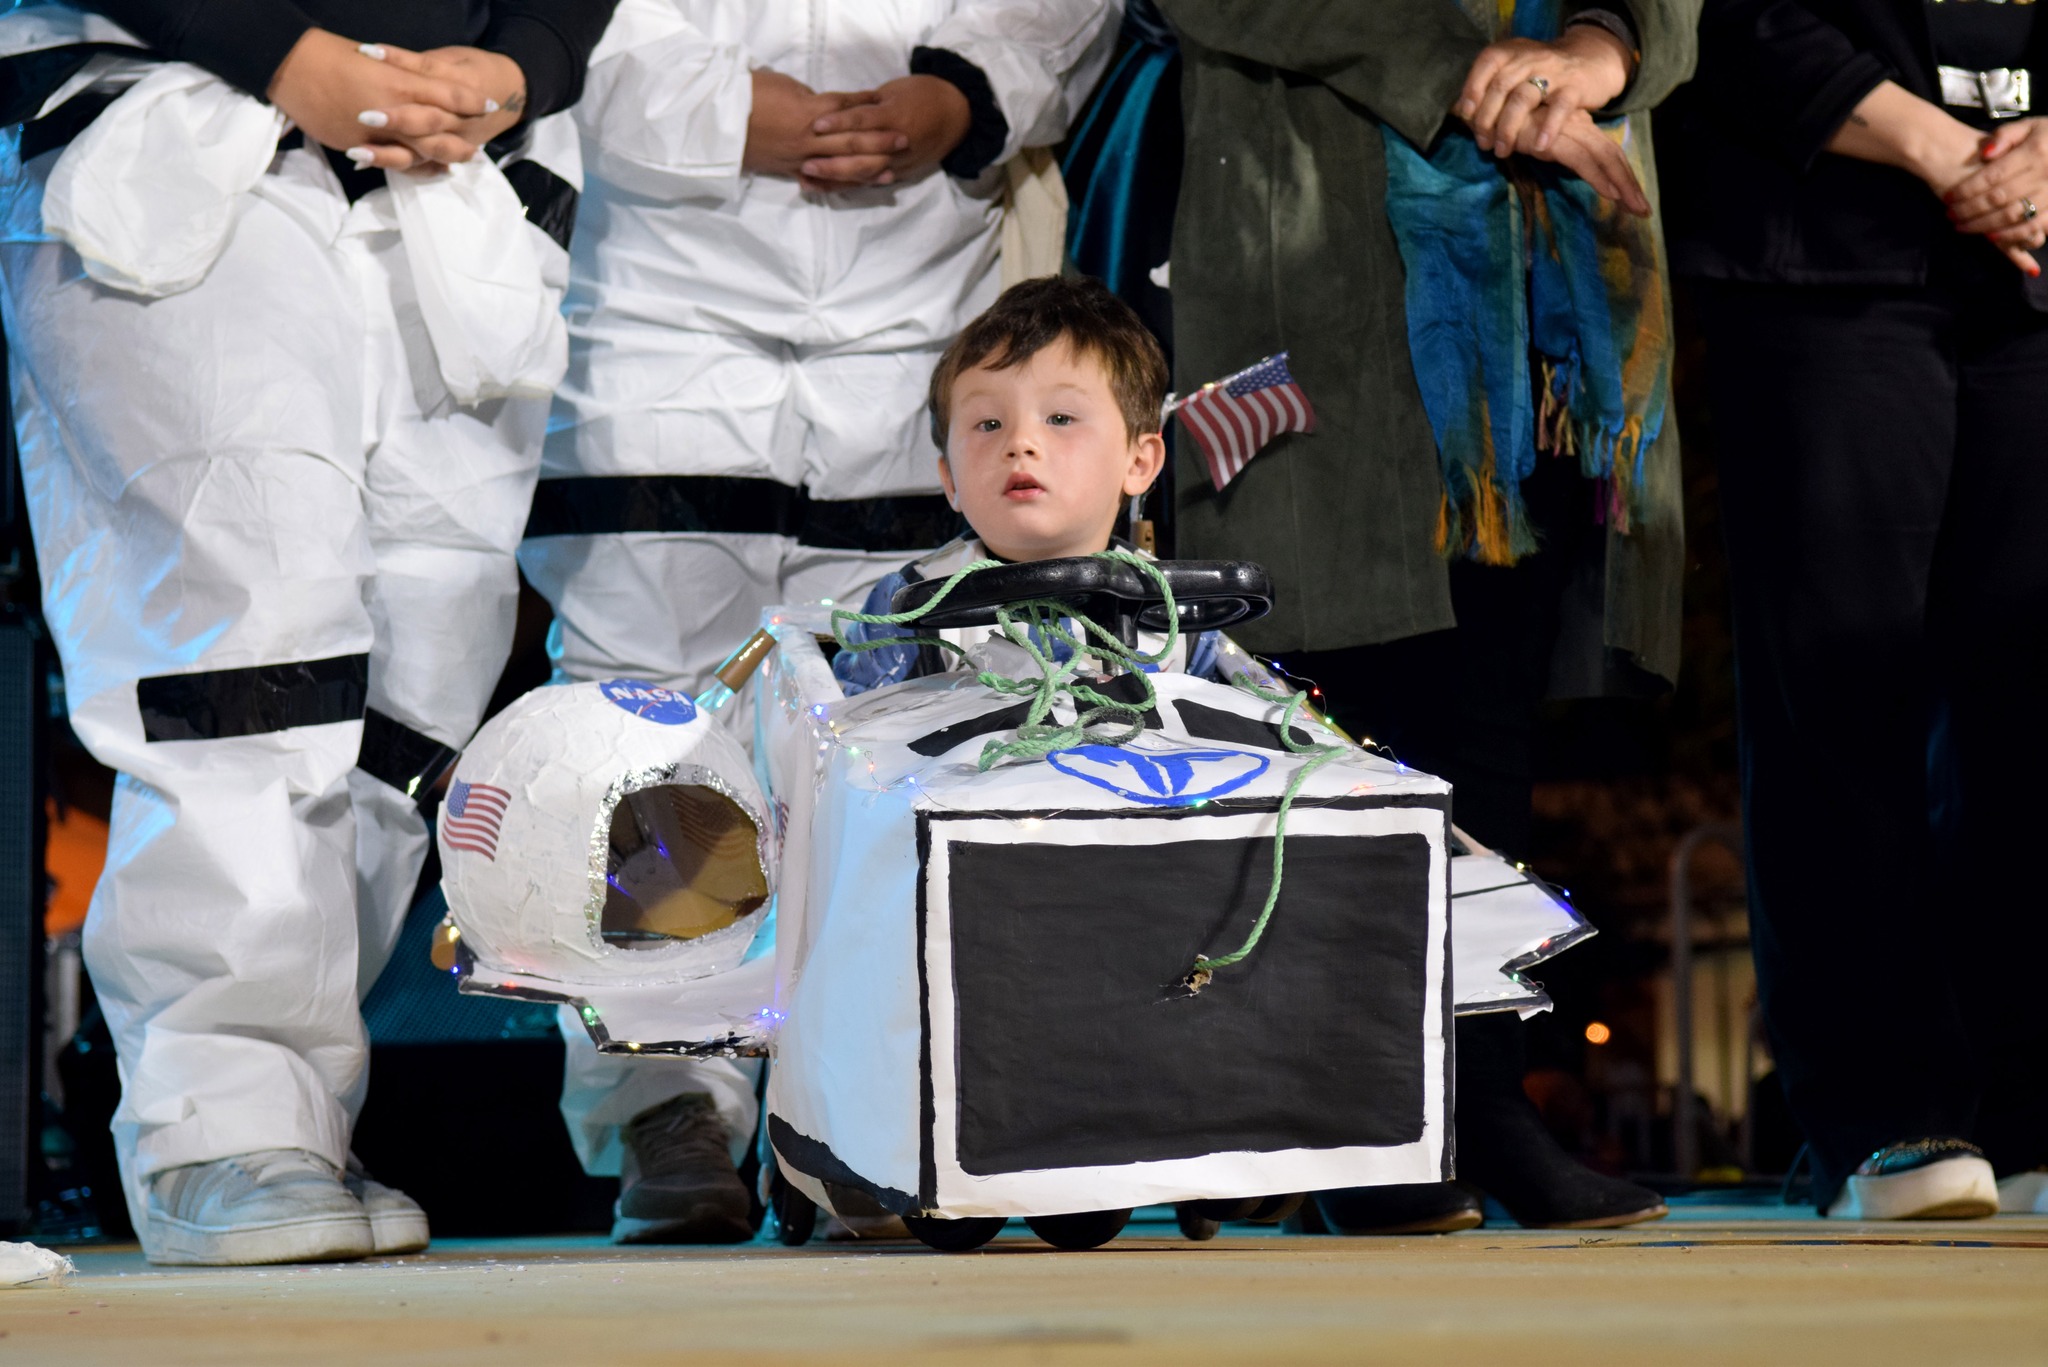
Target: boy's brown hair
1033 314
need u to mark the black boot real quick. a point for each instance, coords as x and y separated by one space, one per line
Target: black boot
1504 1149
1412 1208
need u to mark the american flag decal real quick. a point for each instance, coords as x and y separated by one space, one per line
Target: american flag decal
469 820
1234 418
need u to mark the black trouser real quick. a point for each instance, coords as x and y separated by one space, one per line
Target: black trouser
1461 704
1883 460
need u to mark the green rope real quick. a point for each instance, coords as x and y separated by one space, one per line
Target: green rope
1205 967
1025 624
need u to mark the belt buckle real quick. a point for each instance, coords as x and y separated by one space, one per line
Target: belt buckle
2006 92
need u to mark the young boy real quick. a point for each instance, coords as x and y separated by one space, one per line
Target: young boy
1046 412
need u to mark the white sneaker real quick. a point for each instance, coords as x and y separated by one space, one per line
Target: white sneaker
276 1206
1920 1179
2024 1193
397 1224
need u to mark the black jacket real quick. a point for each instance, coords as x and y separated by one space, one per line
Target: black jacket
1749 194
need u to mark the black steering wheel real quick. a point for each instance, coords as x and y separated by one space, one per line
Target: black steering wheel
1208 595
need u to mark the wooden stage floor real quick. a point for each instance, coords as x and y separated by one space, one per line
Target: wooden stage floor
1752 1286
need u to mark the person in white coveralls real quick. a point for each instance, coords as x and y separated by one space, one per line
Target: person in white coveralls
789 211
279 421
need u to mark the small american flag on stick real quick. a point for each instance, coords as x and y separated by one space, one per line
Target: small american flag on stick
469 820
1234 418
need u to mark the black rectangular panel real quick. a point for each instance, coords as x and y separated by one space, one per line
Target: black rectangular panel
1075 1049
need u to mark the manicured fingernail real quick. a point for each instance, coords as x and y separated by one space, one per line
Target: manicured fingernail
361 156
491 106
373 118
1465 109
374 51
1542 141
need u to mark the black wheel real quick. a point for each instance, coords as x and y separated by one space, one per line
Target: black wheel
796 1215
1276 1210
954 1236
1194 1225
1082 1230
1223 1212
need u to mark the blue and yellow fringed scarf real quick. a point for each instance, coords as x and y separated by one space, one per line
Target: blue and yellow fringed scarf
1538 320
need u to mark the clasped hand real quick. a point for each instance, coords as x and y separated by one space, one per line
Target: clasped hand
388 107
1993 199
1537 99
841 140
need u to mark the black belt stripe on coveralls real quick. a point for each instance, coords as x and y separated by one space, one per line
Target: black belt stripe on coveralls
611 505
216 704
220 703
394 753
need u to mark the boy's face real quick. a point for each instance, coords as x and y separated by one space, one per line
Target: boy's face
1038 458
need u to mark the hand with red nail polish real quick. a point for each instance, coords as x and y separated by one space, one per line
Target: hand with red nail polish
2005 198
1985 183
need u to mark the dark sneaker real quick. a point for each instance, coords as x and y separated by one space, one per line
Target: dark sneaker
1413 1208
1920 1179
676 1182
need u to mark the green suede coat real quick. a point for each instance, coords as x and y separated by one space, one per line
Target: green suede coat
1282 243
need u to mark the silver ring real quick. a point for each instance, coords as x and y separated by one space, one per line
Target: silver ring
1544 86
2027 208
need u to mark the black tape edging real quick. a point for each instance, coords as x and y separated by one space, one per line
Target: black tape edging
394 753
815 1158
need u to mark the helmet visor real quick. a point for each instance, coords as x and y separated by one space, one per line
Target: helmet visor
684 861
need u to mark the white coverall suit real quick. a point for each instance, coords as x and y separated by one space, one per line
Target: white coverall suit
743 422
277 558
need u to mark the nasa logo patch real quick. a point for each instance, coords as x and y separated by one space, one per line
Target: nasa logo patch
650 702
1175 778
